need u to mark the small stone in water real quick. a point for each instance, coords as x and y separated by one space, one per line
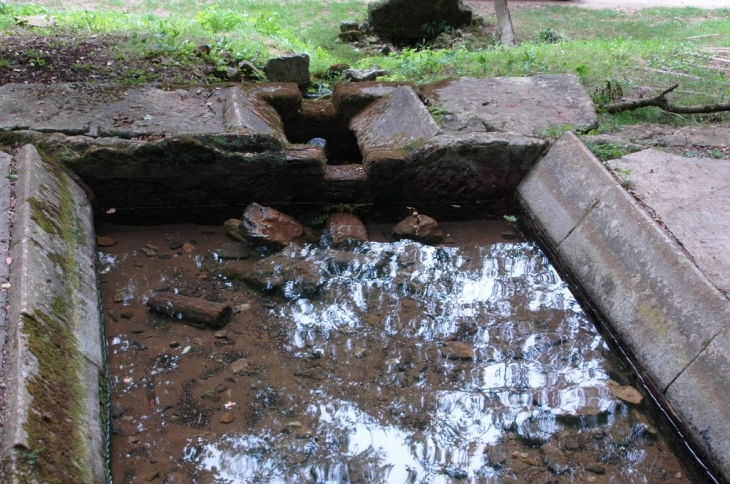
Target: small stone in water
626 393
240 367
359 352
105 242
127 315
113 314
211 395
678 475
175 245
596 469
220 334
174 344
153 247
148 252
456 350
571 444
188 247
136 330
554 458
164 256
161 289
121 295
227 418
295 425
187 349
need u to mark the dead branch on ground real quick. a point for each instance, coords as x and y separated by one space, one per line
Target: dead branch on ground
661 102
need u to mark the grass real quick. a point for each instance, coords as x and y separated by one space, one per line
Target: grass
646 50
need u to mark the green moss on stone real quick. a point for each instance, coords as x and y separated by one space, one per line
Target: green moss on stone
57 455
57 417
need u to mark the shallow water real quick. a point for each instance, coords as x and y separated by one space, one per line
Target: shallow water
385 362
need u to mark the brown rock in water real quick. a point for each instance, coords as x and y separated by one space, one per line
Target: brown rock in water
554 458
421 228
456 350
264 224
227 418
410 19
626 393
342 228
105 242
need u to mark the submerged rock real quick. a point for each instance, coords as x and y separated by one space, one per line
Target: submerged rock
420 228
233 227
554 458
264 224
342 228
295 275
289 69
456 350
626 393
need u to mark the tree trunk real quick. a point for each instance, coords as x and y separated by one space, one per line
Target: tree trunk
504 20
191 309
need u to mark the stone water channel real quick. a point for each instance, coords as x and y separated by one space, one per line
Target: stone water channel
381 361
397 362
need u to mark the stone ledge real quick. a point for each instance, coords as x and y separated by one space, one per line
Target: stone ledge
54 408
654 298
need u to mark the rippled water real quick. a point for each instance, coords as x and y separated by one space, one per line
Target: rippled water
404 363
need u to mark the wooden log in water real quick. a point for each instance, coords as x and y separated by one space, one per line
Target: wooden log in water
191 309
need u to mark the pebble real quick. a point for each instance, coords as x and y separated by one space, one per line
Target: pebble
161 289
116 410
121 295
626 393
174 344
151 476
294 425
153 247
240 367
596 469
456 350
571 444
113 314
211 395
227 418
136 331
220 334
175 245
164 256
127 315
554 458
105 242
358 352
188 247
148 252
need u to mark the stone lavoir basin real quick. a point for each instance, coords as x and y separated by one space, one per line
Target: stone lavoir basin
462 358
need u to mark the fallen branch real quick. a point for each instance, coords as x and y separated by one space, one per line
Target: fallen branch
660 101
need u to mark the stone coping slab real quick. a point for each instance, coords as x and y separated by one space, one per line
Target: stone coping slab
691 196
139 112
5 222
672 320
56 410
524 105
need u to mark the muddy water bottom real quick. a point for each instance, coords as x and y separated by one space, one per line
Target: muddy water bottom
382 362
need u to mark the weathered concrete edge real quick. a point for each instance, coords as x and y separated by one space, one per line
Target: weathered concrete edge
5 221
592 233
36 276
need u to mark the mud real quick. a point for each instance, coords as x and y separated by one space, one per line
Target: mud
410 363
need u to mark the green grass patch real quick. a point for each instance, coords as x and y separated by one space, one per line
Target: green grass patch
644 51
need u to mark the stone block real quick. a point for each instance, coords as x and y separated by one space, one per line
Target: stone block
53 300
467 167
691 196
658 303
293 68
700 396
349 99
524 105
405 19
562 187
398 121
